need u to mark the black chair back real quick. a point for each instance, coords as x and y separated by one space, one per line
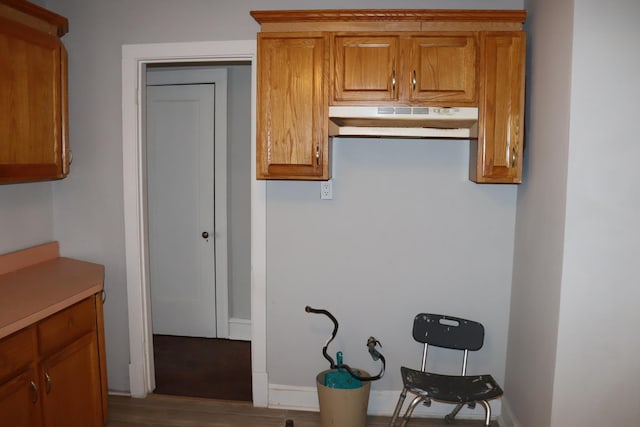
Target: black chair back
448 332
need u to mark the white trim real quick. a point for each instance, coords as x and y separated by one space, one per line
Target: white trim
507 418
260 378
134 60
240 329
380 403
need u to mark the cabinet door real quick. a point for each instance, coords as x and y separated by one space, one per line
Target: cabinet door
19 398
71 385
497 155
292 106
20 401
33 143
365 68
439 68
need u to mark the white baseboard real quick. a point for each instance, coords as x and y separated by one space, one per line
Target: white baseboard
118 393
381 402
507 417
239 329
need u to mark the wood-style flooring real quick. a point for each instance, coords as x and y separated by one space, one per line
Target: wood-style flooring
172 411
202 367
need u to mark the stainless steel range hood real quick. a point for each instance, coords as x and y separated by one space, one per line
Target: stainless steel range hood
407 122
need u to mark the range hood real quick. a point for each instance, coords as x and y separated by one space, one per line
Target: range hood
407 122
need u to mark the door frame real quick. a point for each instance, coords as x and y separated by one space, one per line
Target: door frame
219 78
134 60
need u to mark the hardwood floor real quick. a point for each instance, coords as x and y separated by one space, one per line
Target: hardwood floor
202 367
172 411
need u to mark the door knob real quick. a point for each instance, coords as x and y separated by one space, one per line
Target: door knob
205 235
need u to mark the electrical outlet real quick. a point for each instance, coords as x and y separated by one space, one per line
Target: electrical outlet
326 190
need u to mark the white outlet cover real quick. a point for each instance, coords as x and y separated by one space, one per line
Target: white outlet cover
326 190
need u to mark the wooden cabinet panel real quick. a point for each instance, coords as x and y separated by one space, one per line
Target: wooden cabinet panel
65 327
292 106
439 67
33 105
16 352
365 68
19 398
72 372
497 155
20 401
418 69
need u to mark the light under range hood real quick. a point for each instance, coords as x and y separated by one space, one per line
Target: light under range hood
407 122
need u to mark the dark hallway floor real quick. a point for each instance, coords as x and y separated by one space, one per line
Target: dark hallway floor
212 368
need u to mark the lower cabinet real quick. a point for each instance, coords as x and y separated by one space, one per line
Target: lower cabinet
19 400
72 372
53 375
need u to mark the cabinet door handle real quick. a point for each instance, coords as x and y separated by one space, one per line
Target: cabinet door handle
393 81
47 381
317 155
34 389
514 157
414 81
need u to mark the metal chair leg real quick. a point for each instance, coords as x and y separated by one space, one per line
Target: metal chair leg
407 415
396 411
450 417
487 413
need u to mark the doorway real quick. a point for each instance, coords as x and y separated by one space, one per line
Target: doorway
189 136
135 60
186 124
186 159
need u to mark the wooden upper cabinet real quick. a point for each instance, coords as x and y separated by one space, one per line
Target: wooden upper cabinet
424 69
497 154
33 84
440 68
292 106
365 68
388 57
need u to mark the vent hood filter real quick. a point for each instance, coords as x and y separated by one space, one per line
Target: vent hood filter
408 122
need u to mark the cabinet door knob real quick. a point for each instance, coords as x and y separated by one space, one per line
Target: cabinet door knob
514 157
34 389
205 235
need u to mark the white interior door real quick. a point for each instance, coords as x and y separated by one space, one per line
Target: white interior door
180 193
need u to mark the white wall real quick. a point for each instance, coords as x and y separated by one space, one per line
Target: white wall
537 269
572 355
406 231
26 215
597 344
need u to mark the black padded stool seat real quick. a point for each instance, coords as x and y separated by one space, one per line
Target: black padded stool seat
451 388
